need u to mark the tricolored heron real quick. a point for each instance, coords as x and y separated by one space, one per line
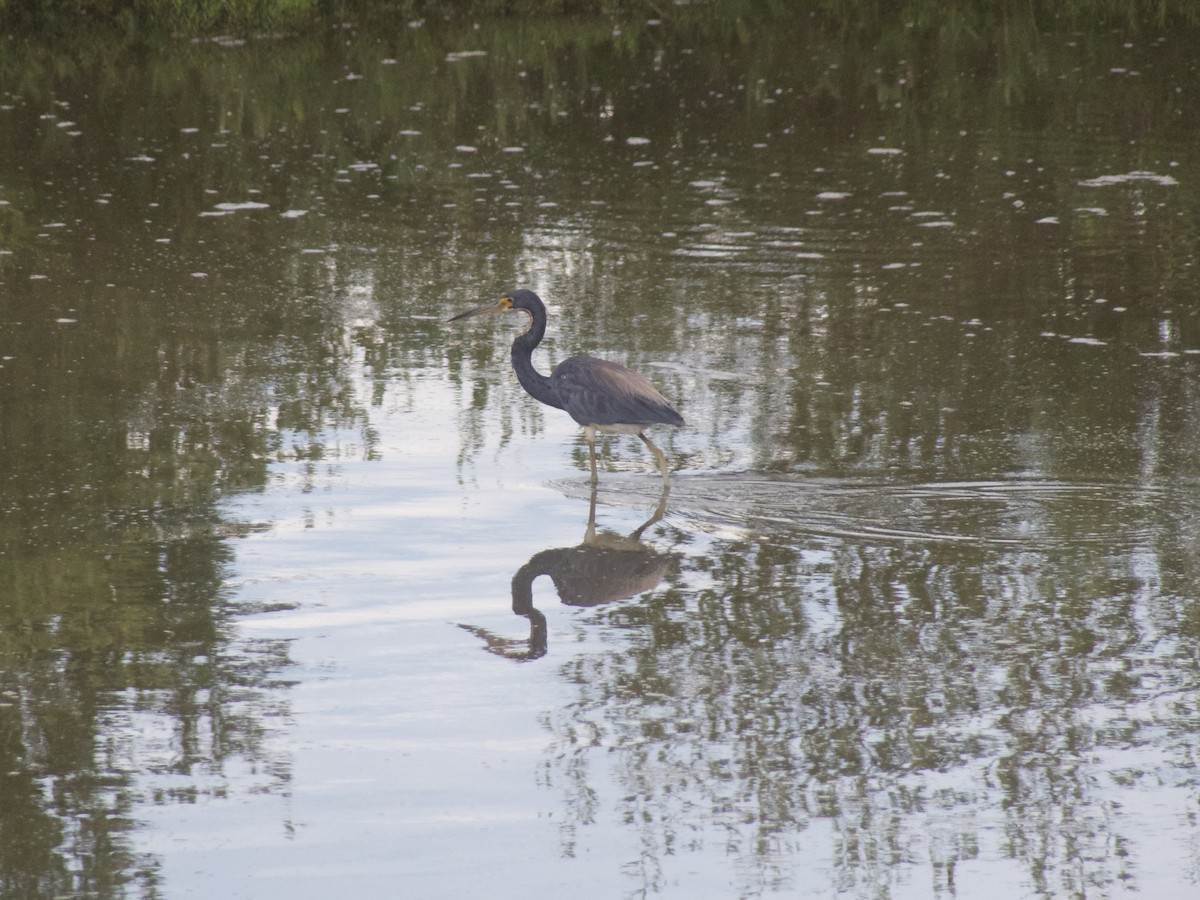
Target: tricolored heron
599 395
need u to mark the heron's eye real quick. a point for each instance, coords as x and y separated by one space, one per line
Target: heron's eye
506 302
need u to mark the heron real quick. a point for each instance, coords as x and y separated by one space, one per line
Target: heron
601 396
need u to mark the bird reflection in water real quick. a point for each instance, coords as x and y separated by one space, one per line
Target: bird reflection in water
606 566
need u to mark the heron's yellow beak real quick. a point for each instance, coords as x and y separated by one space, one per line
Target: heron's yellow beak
501 305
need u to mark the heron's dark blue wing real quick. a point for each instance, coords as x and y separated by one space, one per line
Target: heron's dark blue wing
598 392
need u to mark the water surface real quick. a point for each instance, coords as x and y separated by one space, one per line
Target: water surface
300 592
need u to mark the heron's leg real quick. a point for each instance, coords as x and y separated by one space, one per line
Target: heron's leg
589 535
659 512
590 433
658 455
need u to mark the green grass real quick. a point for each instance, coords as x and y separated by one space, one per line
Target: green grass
198 17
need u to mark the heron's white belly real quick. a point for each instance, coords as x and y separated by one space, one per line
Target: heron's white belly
618 429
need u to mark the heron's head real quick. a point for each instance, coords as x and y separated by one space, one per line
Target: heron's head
522 299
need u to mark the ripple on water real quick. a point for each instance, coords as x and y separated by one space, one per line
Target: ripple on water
1018 514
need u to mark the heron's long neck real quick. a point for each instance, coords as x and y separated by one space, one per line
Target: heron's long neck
537 384
522 588
522 595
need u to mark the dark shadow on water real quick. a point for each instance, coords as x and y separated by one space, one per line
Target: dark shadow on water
604 567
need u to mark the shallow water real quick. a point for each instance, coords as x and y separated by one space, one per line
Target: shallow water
301 592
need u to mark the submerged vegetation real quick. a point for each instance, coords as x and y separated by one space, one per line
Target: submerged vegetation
196 17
